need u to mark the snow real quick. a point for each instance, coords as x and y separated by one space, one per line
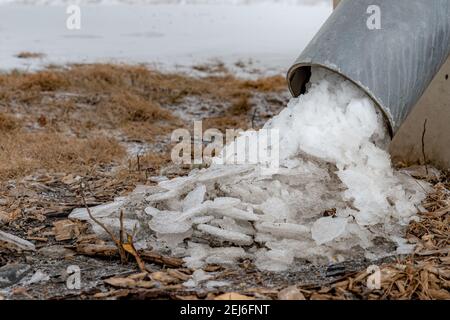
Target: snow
266 37
333 196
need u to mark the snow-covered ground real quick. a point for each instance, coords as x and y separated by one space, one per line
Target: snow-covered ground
271 34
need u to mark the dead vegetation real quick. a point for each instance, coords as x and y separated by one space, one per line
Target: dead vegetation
25 153
8 123
72 118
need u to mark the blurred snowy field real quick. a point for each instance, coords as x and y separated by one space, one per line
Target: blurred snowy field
265 35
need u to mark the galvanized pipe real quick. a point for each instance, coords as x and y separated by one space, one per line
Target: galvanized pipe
394 65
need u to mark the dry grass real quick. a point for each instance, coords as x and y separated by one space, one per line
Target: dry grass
224 123
25 153
241 106
128 93
41 81
274 83
102 79
8 123
134 108
80 102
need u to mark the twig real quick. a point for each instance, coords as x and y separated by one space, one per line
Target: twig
122 246
154 257
109 251
121 238
117 242
121 228
423 145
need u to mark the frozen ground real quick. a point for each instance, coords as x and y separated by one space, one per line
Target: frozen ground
265 36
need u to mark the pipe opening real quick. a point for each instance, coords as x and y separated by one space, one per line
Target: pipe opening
300 75
298 80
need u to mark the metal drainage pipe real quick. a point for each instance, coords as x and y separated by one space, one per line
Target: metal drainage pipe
394 65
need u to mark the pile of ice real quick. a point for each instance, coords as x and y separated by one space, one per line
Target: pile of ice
334 197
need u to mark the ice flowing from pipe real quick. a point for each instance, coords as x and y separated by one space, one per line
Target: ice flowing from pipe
334 197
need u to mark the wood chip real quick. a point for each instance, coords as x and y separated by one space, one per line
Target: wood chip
97 250
163 277
178 274
66 230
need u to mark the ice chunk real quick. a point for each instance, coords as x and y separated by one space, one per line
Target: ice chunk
162 196
177 183
222 172
18 242
193 212
229 224
264 237
274 260
130 226
202 219
169 222
403 247
327 229
197 277
224 203
152 211
196 253
275 210
284 230
194 198
225 235
217 284
104 210
237 214
37 277
226 256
